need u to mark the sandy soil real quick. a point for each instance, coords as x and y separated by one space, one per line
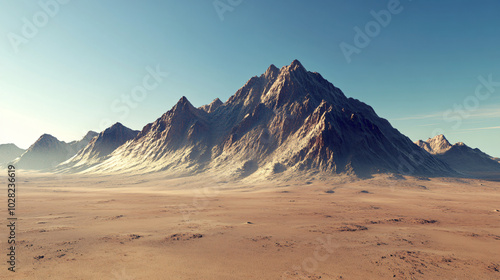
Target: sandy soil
149 227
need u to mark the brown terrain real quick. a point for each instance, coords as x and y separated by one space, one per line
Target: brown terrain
150 227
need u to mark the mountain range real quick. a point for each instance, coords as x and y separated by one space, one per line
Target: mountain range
466 160
47 152
286 122
283 122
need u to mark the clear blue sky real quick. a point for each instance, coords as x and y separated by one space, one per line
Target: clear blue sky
68 75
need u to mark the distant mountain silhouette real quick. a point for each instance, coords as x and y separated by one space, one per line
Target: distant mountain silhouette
9 152
469 161
47 152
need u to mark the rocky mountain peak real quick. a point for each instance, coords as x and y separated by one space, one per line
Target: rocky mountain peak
216 101
439 137
183 106
117 125
46 137
91 134
46 152
115 129
209 108
45 140
271 72
98 148
296 66
183 101
295 70
435 145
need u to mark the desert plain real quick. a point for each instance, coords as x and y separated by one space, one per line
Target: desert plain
152 227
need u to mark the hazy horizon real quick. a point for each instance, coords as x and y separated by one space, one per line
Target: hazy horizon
70 68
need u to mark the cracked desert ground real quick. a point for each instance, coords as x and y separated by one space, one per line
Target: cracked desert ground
151 227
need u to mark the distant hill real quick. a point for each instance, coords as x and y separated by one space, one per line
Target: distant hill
47 152
462 158
209 108
9 152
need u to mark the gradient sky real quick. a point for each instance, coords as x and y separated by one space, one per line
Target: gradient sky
420 71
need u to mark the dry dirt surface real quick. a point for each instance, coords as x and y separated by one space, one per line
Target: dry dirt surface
149 227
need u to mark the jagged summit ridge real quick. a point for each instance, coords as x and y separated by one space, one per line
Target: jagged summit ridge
296 66
183 104
45 139
459 156
272 70
209 108
436 145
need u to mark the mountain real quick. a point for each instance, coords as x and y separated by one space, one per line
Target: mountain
436 145
469 161
78 145
9 152
285 122
99 147
47 152
209 108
